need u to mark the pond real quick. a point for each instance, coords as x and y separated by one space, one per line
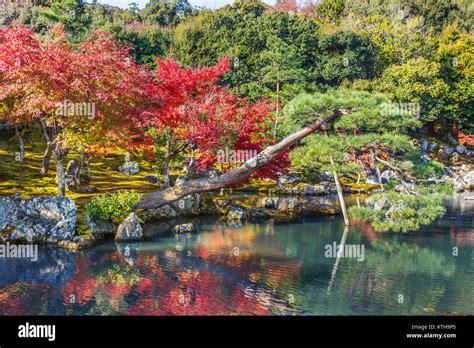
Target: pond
257 269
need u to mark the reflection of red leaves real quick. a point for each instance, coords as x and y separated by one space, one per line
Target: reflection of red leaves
247 305
81 285
116 292
17 299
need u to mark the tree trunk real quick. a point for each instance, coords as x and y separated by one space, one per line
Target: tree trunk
340 195
169 195
275 127
83 160
49 149
191 162
22 144
61 177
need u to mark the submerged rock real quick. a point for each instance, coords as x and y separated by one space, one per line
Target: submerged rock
129 230
78 243
37 220
184 228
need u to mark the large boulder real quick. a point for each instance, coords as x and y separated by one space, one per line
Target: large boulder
129 168
37 220
129 230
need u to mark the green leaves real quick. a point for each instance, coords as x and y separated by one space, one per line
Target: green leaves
113 206
400 212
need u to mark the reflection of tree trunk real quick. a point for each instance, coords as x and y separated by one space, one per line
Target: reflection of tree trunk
22 144
339 255
158 199
340 194
89 170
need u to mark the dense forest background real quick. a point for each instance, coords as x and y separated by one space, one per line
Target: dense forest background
413 51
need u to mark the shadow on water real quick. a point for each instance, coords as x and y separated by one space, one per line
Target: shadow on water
256 269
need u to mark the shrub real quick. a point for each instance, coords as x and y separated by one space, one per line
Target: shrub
113 206
401 212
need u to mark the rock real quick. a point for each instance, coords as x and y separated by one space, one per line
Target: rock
184 228
327 176
423 130
78 243
425 158
100 228
388 175
73 177
270 202
447 151
432 147
424 145
409 185
129 230
372 179
236 213
180 180
152 179
461 149
393 208
289 179
380 203
464 181
37 220
129 168
257 213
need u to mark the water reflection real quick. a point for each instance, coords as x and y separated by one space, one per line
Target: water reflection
255 269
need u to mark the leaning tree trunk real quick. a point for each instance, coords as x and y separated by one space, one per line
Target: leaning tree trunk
169 195
22 144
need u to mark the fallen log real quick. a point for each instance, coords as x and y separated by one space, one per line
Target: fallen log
171 194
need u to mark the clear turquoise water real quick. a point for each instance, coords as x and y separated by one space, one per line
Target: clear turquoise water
256 269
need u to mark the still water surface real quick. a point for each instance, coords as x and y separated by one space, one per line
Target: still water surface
256 269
